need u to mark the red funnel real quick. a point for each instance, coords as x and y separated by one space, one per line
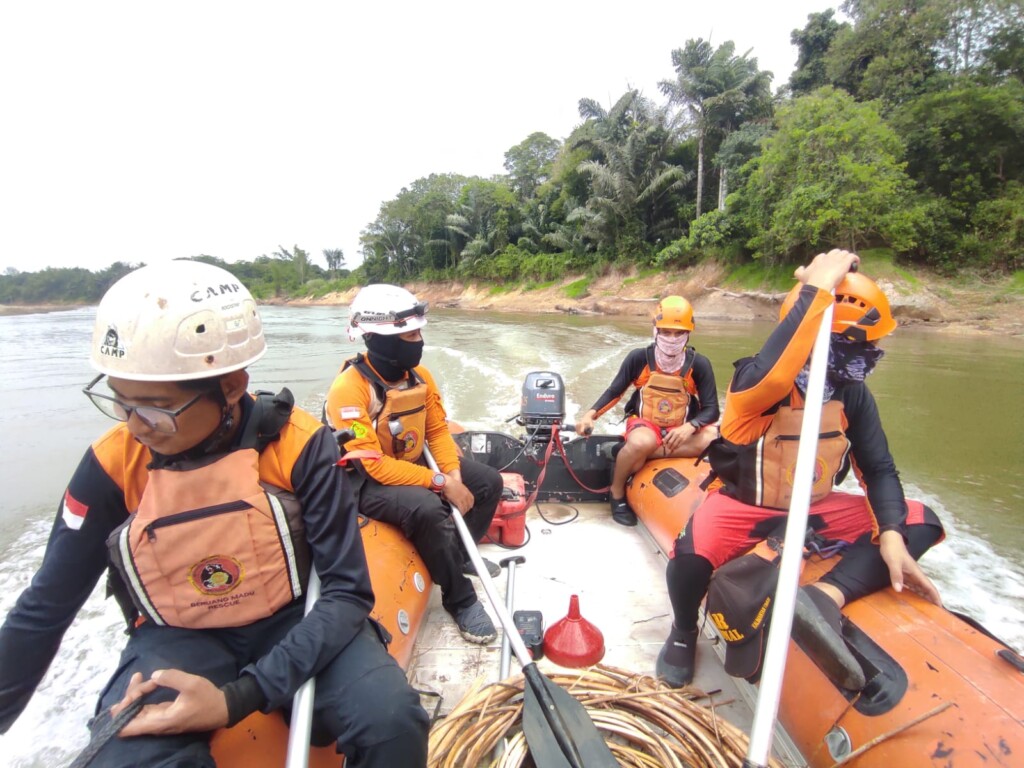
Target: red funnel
574 641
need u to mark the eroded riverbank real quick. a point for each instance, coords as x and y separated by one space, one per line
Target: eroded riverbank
942 306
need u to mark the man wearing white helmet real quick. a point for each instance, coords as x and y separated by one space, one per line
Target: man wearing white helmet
203 502
393 407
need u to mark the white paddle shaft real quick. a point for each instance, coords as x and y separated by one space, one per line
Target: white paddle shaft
770 690
504 617
302 703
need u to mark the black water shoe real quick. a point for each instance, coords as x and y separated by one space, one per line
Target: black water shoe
621 513
475 625
676 660
818 629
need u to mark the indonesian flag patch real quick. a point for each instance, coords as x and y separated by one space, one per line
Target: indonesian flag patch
73 511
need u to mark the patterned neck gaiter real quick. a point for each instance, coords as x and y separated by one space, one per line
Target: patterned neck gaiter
669 351
848 362
852 360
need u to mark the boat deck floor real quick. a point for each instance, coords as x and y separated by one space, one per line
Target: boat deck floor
618 574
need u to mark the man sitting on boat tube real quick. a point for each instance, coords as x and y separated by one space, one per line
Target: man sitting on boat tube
673 410
212 506
392 406
883 533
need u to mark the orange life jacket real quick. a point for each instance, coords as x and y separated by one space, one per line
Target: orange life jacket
761 473
401 420
665 397
211 546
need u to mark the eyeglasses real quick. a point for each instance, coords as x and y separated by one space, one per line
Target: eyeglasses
159 419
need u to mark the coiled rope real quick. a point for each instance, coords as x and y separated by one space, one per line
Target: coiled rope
645 724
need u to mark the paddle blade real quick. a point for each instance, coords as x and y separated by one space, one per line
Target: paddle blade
550 713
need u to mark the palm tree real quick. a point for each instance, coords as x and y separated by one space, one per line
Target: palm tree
632 186
394 242
744 94
335 258
690 89
720 91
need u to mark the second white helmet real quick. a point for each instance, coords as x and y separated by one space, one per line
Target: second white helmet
385 309
176 321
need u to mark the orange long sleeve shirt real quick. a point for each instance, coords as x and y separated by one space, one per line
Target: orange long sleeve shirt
352 404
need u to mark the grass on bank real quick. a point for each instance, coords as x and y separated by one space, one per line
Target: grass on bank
578 289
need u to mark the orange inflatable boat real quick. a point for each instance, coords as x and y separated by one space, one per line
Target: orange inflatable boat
401 585
940 691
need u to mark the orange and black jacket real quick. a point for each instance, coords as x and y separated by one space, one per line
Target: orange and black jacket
353 403
762 383
635 371
108 484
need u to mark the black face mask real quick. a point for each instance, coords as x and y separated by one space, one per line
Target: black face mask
409 354
393 356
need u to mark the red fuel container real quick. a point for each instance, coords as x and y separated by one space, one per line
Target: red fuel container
509 524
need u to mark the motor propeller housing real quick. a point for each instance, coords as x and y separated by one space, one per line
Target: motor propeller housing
543 402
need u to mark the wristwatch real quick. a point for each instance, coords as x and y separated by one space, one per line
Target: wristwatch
438 481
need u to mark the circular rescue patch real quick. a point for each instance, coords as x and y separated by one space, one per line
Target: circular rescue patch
820 470
216 575
408 441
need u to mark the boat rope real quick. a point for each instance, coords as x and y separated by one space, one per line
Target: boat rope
575 513
889 734
645 724
543 468
103 728
526 444
568 466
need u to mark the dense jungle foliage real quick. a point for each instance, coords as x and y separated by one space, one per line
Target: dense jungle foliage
901 128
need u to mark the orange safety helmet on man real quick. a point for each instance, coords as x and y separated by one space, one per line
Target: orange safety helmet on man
674 313
861 312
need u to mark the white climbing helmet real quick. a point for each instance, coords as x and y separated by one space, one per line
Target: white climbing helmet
175 321
385 309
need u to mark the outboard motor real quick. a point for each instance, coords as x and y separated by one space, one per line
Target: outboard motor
543 404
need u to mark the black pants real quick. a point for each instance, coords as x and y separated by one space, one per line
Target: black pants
363 701
425 519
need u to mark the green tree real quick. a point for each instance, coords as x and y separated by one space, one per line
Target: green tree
335 258
299 261
812 44
486 220
739 148
690 90
830 176
529 163
393 243
633 199
1004 57
965 144
719 91
974 31
410 233
890 52
897 50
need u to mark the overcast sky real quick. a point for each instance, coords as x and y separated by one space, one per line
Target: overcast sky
139 131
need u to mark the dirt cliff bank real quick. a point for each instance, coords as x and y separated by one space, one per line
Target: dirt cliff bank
942 305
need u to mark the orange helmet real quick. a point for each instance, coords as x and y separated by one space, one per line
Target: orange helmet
674 312
861 313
